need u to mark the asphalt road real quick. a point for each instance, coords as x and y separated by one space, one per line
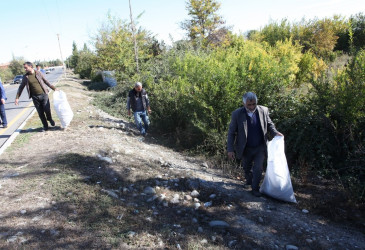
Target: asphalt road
16 115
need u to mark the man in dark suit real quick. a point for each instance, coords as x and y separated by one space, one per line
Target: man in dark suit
248 136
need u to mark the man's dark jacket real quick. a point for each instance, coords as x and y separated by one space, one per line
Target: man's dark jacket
133 102
42 81
237 132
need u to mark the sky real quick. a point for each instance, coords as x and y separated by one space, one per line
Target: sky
30 29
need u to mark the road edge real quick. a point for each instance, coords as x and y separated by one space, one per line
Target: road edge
16 133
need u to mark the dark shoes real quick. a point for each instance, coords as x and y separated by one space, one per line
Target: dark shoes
5 126
52 123
44 129
256 193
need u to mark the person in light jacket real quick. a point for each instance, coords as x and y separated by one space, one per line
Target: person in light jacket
248 137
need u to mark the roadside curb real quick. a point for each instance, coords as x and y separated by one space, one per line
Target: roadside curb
16 133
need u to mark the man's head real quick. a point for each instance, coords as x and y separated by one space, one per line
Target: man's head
250 101
138 86
38 67
28 67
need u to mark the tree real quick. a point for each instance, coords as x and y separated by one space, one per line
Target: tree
204 20
74 57
5 74
358 27
16 66
114 46
86 61
276 32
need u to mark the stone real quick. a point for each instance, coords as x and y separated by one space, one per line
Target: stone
152 198
149 190
305 211
12 239
261 220
194 220
194 193
204 241
291 247
107 159
205 165
175 199
23 211
196 200
110 193
232 243
219 224
11 175
200 229
188 197
208 204
131 234
196 205
309 240
162 197
212 196
54 232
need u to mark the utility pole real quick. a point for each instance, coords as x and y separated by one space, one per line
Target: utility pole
134 37
59 45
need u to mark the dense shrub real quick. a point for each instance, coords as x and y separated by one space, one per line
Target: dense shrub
325 129
194 98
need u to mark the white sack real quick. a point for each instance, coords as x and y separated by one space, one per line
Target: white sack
62 108
277 183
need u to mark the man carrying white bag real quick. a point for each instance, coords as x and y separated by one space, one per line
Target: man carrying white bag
62 107
277 183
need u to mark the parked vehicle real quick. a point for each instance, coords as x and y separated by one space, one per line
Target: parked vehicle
48 71
18 79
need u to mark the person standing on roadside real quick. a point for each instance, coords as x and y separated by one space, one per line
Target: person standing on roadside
2 106
36 85
248 137
38 67
139 102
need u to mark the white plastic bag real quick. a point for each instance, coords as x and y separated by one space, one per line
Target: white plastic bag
63 109
277 183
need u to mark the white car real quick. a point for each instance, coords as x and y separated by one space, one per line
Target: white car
48 71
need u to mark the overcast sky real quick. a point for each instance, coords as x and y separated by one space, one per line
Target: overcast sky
29 29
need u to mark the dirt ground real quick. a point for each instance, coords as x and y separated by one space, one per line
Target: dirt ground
99 185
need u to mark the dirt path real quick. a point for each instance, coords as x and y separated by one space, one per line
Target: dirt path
98 185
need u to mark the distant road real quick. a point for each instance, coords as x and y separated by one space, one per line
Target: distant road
16 115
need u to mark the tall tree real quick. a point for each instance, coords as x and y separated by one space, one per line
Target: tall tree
204 20
358 27
75 56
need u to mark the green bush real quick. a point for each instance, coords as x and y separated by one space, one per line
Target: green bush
325 129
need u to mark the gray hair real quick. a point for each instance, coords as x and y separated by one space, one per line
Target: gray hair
138 84
250 96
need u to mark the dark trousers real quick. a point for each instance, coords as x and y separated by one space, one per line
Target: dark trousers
3 115
252 163
41 103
